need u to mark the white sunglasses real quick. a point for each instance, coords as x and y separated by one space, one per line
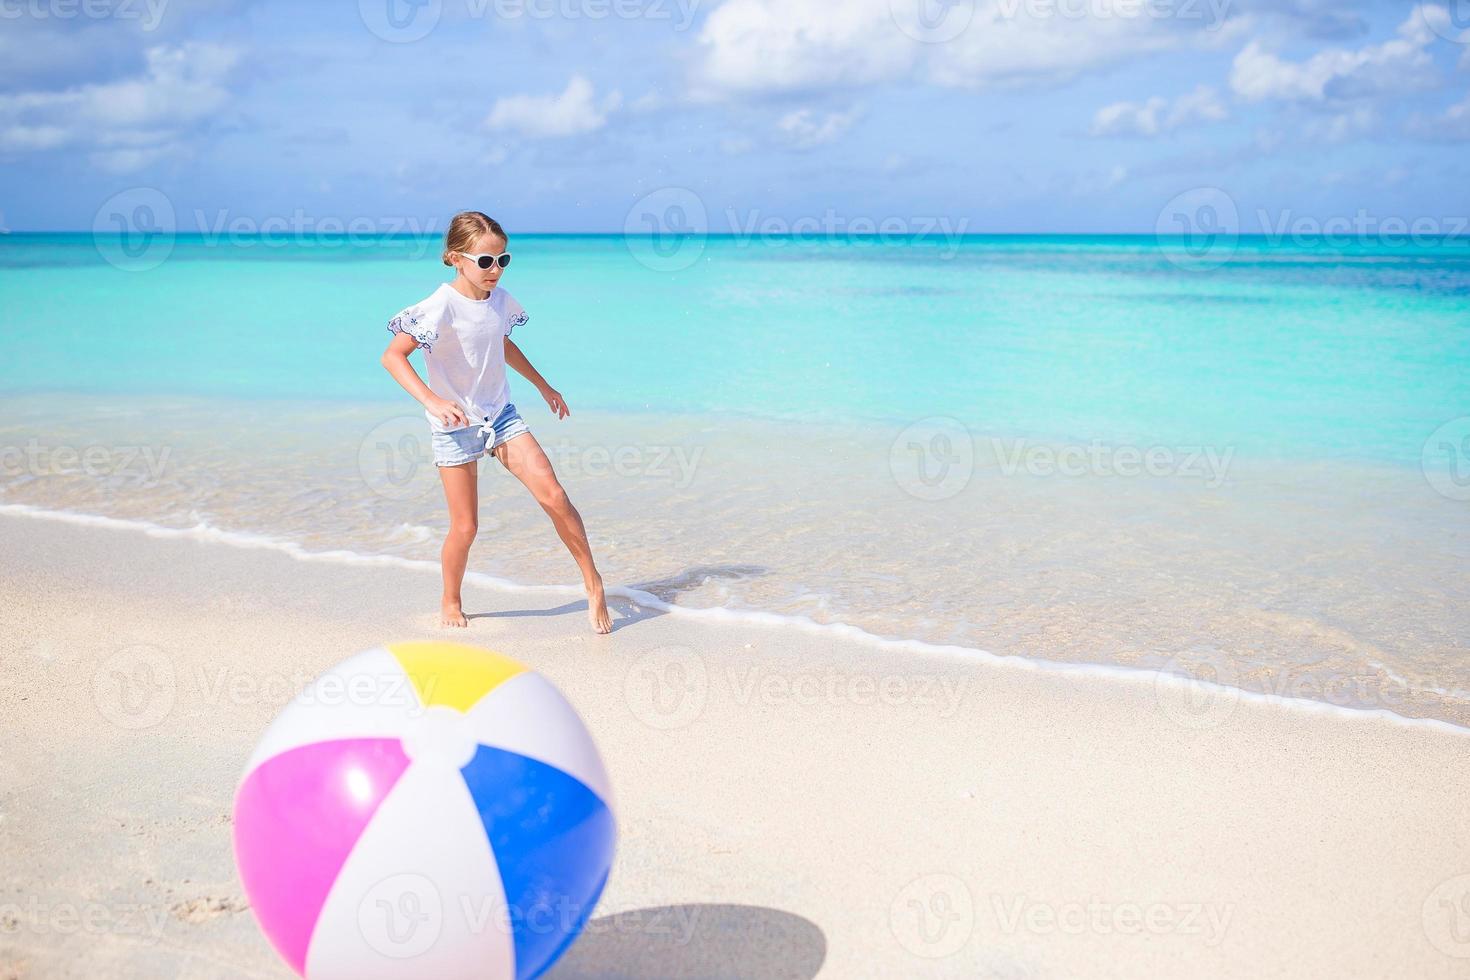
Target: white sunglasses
486 260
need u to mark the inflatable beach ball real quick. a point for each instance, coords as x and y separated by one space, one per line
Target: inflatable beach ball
424 810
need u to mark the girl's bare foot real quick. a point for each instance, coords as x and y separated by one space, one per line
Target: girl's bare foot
450 614
597 607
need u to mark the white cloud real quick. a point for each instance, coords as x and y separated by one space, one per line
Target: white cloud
804 130
1093 183
130 122
1339 127
1159 115
1456 119
1397 65
1001 49
52 45
770 46
573 111
650 101
753 46
1452 125
34 137
1311 19
127 161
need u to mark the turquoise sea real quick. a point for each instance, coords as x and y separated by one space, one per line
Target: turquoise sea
926 439
1289 350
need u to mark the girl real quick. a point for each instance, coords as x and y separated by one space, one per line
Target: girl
464 328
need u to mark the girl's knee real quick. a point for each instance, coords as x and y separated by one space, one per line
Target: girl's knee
464 530
555 499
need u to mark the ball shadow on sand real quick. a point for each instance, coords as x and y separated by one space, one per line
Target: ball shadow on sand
696 942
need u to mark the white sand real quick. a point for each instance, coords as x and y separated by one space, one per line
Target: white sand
791 803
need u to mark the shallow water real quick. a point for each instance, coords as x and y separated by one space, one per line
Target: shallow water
1336 581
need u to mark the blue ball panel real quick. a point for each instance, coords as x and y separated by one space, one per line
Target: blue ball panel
553 839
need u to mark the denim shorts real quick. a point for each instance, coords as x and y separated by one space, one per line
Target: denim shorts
470 443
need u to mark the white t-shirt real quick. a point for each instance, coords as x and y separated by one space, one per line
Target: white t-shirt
464 350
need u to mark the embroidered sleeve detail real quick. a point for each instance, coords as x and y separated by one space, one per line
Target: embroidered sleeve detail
515 321
414 321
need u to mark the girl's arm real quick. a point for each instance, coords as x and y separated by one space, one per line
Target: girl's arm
516 359
395 359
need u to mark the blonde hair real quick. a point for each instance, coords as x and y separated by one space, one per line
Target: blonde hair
465 228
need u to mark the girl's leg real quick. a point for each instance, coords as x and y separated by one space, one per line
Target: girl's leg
462 493
523 456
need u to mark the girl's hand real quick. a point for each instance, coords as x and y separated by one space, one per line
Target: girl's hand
555 402
447 412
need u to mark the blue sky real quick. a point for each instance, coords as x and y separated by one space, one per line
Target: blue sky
562 115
